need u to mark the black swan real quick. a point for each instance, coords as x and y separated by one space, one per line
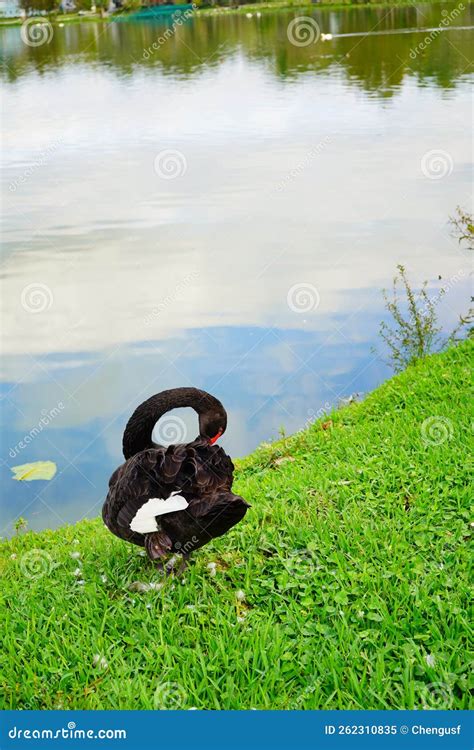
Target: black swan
175 498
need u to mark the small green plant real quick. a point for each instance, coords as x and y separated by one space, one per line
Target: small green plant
463 227
20 525
463 231
414 333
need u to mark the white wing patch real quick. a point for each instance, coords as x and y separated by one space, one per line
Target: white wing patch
144 521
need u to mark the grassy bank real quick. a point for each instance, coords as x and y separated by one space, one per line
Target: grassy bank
296 5
306 6
353 565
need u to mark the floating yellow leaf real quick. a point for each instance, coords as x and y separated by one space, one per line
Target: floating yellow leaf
35 470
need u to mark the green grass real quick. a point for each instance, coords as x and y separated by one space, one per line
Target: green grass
309 6
353 561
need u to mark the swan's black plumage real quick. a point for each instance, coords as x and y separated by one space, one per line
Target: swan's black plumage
199 472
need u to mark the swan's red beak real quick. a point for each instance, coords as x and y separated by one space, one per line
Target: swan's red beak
216 437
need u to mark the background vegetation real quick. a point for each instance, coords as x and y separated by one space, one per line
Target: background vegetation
86 5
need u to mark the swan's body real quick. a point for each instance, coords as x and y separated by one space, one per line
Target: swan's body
173 499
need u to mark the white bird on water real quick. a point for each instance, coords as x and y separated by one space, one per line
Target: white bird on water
326 37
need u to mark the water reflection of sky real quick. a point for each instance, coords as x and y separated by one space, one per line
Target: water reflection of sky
268 379
156 283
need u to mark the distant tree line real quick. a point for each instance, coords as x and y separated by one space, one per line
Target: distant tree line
71 6
52 6
38 5
67 6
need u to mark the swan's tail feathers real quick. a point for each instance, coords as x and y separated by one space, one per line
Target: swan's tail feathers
145 520
218 514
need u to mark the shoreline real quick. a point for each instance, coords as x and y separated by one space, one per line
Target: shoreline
265 7
267 453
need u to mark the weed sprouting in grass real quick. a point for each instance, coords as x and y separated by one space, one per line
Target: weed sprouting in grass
463 231
20 525
414 333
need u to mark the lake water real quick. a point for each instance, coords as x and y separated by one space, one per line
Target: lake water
219 210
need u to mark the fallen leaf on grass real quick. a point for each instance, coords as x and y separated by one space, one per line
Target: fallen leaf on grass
142 587
35 470
283 460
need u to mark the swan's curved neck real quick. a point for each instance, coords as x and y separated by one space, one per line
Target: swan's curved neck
138 432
